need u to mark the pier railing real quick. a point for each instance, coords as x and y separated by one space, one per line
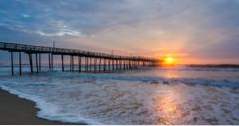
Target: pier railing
110 62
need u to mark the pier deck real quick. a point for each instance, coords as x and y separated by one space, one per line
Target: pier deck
108 61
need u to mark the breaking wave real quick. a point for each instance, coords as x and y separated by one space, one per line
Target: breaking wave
159 96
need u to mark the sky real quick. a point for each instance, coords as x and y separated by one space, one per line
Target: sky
194 31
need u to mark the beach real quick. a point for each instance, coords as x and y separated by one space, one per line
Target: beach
15 110
154 96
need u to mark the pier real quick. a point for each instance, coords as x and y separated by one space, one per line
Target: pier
87 61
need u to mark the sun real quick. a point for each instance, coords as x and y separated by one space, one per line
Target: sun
169 60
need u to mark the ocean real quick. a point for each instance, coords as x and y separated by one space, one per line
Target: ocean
179 95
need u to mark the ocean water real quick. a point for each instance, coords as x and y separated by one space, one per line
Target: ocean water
153 96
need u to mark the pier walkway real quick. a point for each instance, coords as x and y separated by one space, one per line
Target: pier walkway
87 61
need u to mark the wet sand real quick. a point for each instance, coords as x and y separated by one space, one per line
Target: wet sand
15 110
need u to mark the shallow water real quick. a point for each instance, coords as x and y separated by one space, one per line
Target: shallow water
159 96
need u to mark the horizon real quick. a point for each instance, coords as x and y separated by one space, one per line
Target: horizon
119 62
193 32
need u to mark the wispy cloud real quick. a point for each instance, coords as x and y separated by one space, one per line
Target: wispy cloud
195 28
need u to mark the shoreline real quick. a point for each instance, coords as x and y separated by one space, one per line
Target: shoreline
19 111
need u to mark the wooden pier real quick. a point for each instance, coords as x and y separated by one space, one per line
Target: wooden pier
91 61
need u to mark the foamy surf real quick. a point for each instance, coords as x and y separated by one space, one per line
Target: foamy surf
151 97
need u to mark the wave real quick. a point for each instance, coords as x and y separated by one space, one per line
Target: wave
129 98
47 109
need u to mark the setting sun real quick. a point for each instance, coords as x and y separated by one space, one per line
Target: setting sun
169 60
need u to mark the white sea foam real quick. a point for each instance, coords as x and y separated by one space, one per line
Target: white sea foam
153 97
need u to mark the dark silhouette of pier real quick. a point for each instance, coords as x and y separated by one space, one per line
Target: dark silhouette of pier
93 61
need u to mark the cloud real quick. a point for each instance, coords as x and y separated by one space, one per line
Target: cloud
195 28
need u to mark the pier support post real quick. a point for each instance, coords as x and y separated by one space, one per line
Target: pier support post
36 56
62 63
73 64
99 65
95 64
132 65
39 61
12 64
121 64
70 64
116 64
49 61
30 62
113 64
20 64
79 64
104 65
135 64
90 63
108 64
139 64
129 64
86 64
124 63
52 62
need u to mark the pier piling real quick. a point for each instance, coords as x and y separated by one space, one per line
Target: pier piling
79 64
30 62
37 63
39 56
20 64
91 62
62 63
12 63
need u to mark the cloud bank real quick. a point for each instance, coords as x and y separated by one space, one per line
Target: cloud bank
205 31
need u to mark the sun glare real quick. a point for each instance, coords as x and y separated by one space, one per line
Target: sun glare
169 61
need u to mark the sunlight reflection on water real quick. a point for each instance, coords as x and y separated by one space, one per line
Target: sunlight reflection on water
167 108
132 98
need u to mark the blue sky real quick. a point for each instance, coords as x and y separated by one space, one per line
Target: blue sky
197 31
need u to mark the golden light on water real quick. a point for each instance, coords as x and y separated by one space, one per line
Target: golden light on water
168 109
